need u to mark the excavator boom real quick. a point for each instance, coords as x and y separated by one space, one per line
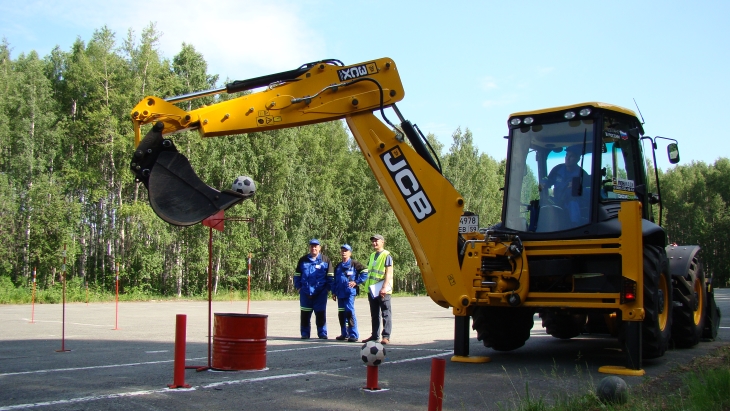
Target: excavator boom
423 200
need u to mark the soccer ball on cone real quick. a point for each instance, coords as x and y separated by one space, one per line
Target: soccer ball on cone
373 353
244 185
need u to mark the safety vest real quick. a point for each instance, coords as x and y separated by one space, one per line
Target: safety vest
376 268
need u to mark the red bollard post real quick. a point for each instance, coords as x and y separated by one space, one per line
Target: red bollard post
179 373
436 389
372 379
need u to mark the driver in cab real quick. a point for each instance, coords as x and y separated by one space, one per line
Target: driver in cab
560 179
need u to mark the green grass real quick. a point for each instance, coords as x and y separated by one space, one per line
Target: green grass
77 292
702 385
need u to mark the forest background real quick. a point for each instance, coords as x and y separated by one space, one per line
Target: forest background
65 188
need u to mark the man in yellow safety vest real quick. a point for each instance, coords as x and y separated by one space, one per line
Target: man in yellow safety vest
380 287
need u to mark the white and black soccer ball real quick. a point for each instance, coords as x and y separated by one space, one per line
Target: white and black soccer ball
373 353
244 185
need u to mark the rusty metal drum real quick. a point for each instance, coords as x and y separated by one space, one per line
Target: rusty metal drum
239 341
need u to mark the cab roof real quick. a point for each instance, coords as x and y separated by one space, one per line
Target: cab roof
561 108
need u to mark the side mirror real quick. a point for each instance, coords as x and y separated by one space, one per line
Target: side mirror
673 153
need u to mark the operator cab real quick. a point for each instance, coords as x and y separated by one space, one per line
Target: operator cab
569 167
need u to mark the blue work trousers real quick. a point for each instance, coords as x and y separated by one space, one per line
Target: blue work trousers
346 315
318 304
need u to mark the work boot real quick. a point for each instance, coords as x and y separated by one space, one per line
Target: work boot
371 338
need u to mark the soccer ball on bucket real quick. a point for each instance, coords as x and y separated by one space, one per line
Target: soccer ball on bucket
244 185
373 353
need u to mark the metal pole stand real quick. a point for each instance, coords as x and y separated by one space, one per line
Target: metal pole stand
63 320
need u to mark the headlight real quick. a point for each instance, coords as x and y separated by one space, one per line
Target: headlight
515 121
584 112
569 115
528 120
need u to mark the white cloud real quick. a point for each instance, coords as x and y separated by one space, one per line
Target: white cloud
503 100
544 71
238 39
488 83
440 130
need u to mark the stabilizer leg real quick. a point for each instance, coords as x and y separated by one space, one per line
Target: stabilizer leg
461 342
632 348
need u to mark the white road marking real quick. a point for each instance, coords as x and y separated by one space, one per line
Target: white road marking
271 377
84 399
148 392
134 364
59 322
418 358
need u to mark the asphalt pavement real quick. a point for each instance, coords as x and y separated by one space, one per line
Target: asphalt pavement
123 359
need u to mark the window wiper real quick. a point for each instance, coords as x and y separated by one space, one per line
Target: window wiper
583 156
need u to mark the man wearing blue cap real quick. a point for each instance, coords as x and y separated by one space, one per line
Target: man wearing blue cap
313 279
349 274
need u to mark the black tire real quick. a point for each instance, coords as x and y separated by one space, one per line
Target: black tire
503 328
563 325
657 324
690 308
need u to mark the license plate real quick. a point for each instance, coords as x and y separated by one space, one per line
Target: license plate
469 224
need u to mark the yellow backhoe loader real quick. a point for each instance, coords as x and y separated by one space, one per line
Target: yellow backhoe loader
576 243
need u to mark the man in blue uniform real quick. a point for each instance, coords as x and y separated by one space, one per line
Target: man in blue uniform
349 274
561 180
313 279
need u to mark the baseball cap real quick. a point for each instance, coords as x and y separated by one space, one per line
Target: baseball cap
577 149
346 247
377 237
314 241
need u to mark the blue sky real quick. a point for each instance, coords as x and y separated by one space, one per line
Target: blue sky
465 64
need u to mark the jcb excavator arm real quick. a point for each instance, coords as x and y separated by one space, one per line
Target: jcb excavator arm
424 201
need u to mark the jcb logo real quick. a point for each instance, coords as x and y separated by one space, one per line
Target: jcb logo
357 71
412 192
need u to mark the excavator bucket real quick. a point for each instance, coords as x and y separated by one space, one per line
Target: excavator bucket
176 193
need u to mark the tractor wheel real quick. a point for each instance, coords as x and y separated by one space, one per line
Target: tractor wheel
657 324
690 307
562 325
503 328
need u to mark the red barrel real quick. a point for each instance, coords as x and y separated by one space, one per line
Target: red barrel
239 341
